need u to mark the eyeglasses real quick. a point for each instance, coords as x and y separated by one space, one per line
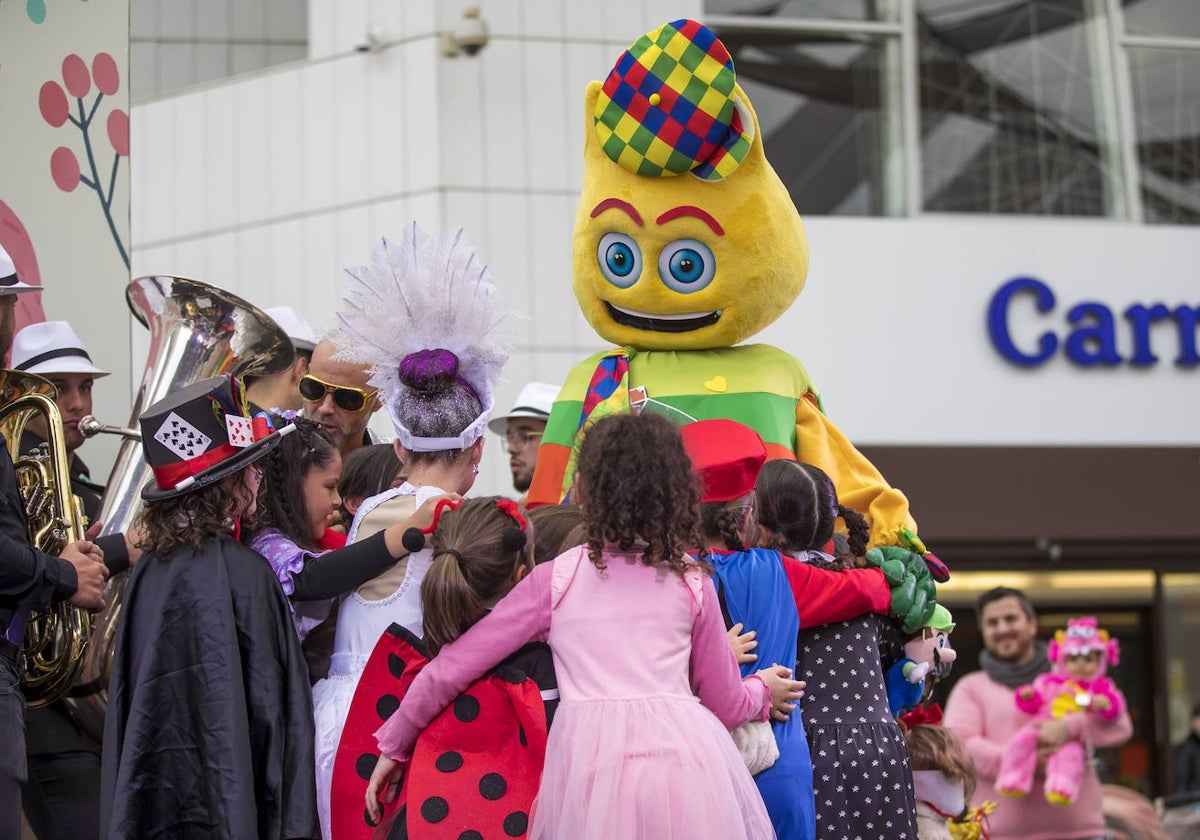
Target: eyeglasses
520 438
345 397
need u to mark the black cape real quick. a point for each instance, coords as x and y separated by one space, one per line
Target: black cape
209 732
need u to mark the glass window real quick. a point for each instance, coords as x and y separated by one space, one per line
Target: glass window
1172 18
1181 608
833 9
818 103
1166 108
1010 120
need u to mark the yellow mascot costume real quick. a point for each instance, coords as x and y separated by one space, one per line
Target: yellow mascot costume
686 243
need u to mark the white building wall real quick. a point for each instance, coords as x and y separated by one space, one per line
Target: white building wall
269 184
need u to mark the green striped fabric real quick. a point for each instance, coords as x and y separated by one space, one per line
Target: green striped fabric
757 385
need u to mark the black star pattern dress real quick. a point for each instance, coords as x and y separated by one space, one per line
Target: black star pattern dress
862 778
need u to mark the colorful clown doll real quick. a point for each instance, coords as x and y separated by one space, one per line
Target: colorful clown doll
927 658
685 244
1076 685
777 596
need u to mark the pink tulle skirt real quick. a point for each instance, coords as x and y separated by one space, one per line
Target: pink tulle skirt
649 767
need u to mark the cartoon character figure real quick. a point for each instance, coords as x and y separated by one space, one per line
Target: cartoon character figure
1077 685
927 657
686 243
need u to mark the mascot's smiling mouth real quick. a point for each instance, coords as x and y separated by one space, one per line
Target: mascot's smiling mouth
674 323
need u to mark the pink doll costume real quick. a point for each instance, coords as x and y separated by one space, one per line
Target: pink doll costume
1063 691
648 688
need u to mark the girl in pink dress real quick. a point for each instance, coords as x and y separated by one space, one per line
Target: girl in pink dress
648 683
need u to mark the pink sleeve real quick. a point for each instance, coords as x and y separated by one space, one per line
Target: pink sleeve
1116 699
521 616
1034 704
1104 730
966 713
715 675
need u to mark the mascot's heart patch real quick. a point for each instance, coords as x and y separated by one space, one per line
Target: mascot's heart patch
717 383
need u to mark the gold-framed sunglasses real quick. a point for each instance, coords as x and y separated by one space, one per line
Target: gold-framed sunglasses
345 397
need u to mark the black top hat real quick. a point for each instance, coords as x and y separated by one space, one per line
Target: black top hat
197 435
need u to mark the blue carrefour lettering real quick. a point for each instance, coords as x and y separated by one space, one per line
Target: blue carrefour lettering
1092 338
998 320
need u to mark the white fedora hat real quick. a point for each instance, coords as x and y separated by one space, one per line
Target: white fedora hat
52 347
535 400
10 284
297 329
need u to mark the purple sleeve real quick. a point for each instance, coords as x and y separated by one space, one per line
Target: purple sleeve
522 616
715 675
286 558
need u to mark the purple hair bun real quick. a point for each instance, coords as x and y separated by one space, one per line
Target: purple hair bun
429 371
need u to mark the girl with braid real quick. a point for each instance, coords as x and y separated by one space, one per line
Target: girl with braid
776 596
297 497
862 778
481 548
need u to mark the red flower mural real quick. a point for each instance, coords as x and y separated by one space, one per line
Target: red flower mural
56 110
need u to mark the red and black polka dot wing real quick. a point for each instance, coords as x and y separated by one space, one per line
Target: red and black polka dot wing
396 660
475 770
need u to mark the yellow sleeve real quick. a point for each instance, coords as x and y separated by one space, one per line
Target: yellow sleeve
859 485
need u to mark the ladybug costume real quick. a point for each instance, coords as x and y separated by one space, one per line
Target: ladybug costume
474 771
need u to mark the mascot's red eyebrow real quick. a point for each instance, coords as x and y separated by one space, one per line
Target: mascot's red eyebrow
618 204
686 210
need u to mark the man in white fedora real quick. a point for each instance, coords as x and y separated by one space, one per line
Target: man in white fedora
281 392
53 350
62 793
522 430
10 287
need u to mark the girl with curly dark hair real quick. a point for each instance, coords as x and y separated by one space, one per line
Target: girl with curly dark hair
648 684
207 673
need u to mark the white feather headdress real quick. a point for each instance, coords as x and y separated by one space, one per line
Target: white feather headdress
422 294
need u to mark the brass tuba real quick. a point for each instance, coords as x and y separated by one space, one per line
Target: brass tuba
57 636
196 331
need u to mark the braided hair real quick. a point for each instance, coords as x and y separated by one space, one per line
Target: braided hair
798 503
726 521
281 496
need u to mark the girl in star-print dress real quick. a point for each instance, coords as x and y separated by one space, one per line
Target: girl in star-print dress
862 776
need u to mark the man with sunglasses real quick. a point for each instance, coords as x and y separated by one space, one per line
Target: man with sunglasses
337 396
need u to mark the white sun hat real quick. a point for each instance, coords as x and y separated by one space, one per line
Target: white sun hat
52 347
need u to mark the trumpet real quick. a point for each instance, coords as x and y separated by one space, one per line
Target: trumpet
57 636
89 427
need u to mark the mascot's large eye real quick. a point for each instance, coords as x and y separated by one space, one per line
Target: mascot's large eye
686 265
620 259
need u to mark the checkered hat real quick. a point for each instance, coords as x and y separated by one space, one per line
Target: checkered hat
669 106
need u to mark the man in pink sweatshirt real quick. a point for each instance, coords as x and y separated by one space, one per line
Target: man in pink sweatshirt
981 709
